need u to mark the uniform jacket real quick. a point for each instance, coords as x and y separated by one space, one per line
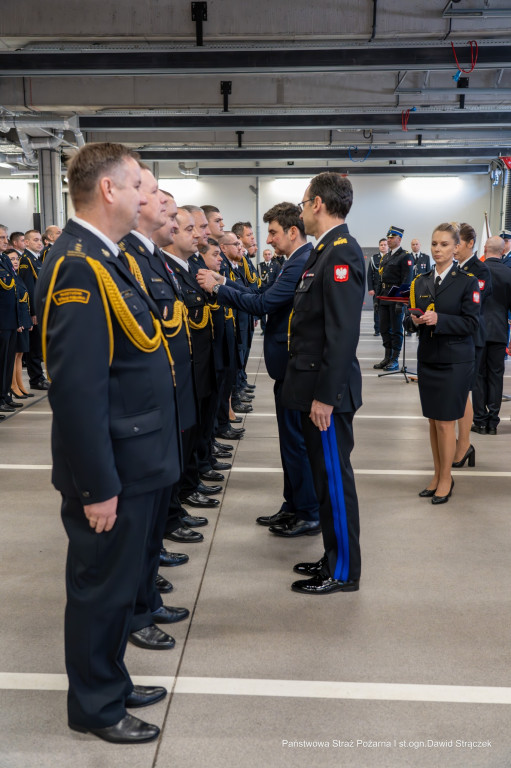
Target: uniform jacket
325 327
10 310
277 303
263 269
373 277
421 263
29 270
479 269
196 300
164 289
457 300
499 303
114 424
395 269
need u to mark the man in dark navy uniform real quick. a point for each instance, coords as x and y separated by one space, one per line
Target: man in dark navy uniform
396 271
421 261
323 378
373 280
30 266
114 434
298 515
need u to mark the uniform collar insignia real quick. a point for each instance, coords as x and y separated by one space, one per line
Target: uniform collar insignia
141 248
105 253
320 247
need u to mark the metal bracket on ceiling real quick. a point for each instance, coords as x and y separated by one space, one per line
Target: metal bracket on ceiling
199 14
239 134
226 90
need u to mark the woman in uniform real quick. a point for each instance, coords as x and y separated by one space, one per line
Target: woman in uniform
22 343
444 310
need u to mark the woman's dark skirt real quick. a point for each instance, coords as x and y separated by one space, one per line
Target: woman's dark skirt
444 389
22 341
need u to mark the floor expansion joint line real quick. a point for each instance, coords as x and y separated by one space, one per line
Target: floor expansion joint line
307 689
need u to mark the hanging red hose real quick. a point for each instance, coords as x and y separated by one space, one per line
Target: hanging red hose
474 51
405 116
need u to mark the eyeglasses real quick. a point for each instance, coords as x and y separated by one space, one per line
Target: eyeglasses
301 205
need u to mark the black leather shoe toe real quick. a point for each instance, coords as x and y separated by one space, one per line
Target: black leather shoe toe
392 366
209 490
169 615
218 453
171 559
492 430
4 408
479 429
277 519
212 476
145 695
223 446
184 536
129 730
40 385
10 402
321 585
220 465
162 585
310 569
152 639
193 521
296 528
197 499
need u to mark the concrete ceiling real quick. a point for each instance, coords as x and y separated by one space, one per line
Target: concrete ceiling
365 84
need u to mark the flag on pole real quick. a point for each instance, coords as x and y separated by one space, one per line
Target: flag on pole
485 234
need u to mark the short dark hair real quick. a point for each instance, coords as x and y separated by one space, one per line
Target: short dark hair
240 226
10 250
15 235
212 243
335 191
382 240
192 208
89 163
31 231
285 214
209 209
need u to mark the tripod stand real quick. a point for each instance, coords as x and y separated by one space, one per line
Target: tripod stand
403 370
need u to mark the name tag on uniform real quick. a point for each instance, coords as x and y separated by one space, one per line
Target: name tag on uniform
71 295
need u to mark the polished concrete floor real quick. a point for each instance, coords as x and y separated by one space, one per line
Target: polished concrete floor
412 670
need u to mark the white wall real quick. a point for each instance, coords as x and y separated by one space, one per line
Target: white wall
16 204
416 205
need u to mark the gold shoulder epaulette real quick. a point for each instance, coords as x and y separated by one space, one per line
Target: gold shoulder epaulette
76 251
341 241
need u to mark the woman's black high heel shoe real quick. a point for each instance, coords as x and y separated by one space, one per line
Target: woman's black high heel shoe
443 499
470 455
427 494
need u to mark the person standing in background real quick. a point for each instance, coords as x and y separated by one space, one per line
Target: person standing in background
373 280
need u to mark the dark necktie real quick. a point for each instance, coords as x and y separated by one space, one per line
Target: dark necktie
438 280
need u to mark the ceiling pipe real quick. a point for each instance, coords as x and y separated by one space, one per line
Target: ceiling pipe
188 171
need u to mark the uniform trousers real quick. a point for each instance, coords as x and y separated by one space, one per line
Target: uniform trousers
391 327
299 494
103 574
7 356
329 456
376 311
489 383
148 596
34 356
188 481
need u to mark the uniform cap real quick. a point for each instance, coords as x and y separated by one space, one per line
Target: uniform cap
395 231
505 234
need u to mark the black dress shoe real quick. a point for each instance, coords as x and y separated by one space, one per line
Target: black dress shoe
145 695
232 434
491 431
443 499
382 363
193 521
211 475
324 585
311 569
2 417
250 386
184 536
40 384
427 494
209 490
296 528
4 408
236 420
393 365
244 397
219 453
223 446
220 465
239 407
129 730
168 615
152 639
197 499
10 402
279 517
479 429
171 559
162 585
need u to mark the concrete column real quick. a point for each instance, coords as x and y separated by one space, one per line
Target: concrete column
50 188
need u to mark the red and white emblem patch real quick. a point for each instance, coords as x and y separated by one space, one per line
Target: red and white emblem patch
409 263
482 283
476 297
341 273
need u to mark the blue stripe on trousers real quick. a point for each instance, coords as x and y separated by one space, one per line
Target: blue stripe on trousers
336 491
